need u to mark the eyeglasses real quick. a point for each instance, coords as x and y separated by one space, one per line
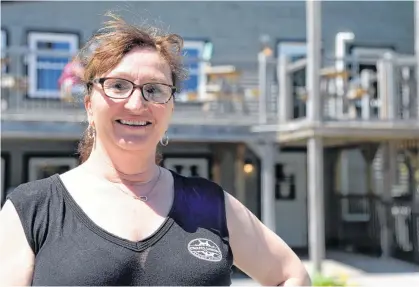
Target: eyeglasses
118 88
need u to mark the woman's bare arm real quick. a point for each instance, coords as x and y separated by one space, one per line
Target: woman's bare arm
16 256
259 252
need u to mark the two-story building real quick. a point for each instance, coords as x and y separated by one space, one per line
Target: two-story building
241 120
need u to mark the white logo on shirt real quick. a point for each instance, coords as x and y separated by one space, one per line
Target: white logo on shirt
205 249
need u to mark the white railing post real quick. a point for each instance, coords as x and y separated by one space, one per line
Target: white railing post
262 60
285 98
386 87
382 89
391 86
366 98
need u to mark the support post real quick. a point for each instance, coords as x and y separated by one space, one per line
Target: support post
314 103
240 184
216 166
315 144
316 202
389 157
268 185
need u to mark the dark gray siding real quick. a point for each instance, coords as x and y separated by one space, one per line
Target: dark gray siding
233 27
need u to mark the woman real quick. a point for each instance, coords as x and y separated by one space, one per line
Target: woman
121 219
70 80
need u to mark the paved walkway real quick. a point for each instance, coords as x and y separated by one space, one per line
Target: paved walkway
361 270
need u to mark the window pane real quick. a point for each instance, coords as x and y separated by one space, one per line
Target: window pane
191 58
53 60
50 67
191 84
47 79
49 70
56 46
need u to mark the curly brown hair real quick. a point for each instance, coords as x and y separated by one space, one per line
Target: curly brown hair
110 44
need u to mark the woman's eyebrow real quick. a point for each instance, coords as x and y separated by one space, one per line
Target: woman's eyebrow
128 76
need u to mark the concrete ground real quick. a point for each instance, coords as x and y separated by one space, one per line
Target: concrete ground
360 270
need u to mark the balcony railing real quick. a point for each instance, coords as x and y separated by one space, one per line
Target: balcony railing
359 88
254 91
227 91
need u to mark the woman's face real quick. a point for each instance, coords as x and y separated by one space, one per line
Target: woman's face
133 123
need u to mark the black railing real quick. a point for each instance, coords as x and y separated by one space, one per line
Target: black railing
361 223
358 225
404 226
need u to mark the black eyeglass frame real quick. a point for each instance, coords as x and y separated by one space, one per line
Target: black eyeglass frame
101 81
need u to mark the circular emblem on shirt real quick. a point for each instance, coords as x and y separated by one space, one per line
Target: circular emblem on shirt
205 249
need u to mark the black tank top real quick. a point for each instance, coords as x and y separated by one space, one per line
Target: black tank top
190 248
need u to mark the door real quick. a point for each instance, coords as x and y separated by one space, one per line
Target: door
291 198
296 50
363 69
351 165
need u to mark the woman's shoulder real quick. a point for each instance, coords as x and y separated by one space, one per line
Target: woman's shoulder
32 202
204 188
196 182
33 192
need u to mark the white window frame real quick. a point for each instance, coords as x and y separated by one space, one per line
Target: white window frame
33 39
290 48
202 162
202 81
352 217
35 162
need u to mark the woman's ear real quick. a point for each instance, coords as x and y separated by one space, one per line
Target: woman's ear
88 107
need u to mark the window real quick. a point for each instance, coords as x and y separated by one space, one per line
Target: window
285 182
46 63
194 87
43 167
295 50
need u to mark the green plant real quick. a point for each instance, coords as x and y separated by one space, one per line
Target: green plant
323 280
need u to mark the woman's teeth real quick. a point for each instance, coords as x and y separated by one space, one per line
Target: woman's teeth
134 123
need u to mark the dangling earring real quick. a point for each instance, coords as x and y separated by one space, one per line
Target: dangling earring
165 140
91 132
